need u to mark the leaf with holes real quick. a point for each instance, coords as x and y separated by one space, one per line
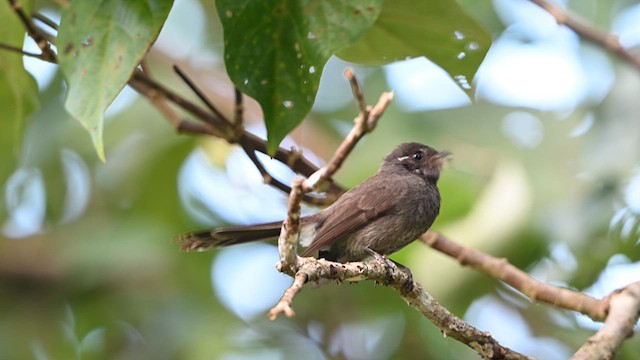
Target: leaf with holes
100 43
437 29
275 51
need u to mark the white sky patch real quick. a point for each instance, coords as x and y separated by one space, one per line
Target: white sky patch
626 26
245 280
183 34
421 85
508 327
25 199
537 64
632 194
544 75
523 129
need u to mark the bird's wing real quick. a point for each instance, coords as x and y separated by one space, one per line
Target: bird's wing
347 218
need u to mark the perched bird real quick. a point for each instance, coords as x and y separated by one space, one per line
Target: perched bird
383 214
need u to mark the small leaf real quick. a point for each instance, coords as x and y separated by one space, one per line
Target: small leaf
275 51
437 29
18 91
100 43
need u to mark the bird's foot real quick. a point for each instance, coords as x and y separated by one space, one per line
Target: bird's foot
389 264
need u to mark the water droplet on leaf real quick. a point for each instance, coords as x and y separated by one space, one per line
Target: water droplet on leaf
473 46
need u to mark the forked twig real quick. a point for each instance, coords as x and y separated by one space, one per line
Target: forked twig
47 52
623 311
364 123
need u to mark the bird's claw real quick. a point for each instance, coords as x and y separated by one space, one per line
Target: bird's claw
389 265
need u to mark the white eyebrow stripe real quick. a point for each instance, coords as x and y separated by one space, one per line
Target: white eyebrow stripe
403 158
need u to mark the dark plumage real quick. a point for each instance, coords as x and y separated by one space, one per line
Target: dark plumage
384 213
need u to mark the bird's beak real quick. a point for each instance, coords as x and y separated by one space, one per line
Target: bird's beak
441 158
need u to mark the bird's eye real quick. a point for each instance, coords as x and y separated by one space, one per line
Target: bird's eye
417 155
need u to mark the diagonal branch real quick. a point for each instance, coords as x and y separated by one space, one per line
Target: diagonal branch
589 32
365 122
221 127
199 93
501 269
34 32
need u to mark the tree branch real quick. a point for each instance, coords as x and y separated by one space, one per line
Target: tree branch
20 51
47 52
388 274
288 239
589 32
199 93
523 282
623 312
220 126
380 270
365 122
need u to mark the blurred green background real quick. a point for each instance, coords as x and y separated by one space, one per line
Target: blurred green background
551 182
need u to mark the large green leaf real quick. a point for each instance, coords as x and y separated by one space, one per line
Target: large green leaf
437 29
18 91
275 51
100 43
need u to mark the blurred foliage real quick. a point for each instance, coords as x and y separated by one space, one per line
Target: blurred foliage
88 269
17 93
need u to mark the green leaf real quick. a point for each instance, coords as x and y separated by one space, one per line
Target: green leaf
275 51
100 43
437 29
18 91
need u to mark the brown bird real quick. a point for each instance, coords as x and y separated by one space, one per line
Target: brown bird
383 214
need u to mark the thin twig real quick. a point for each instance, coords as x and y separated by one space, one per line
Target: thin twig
268 179
624 308
158 99
45 20
356 89
238 119
196 90
589 32
19 50
47 52
501 269
220 126
365 122
223 128
284 306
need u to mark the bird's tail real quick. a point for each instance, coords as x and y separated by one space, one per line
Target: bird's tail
220 237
